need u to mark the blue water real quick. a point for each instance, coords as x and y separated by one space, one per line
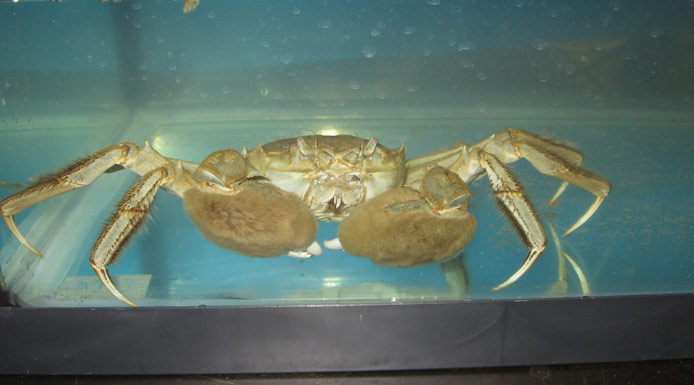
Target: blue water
611 78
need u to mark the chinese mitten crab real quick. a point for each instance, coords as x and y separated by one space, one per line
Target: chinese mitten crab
265 202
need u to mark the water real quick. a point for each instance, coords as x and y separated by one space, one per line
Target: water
601 76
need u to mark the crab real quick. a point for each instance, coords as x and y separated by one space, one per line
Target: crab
266 202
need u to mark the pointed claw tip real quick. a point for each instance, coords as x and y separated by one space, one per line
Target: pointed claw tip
9 221
105 280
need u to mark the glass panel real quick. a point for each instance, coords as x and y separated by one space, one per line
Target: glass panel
612 79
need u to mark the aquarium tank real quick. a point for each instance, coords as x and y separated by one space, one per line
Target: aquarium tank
611 80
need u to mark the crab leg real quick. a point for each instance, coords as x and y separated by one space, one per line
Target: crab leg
552 164
510 194
73 177
129 215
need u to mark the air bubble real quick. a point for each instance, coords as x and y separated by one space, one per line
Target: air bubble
467 63
296 11
368 51
325 23
286 59
178 78
520 3
161 39
210 15
353 84
544 77
481 76
135 5
427 52
538 44
172 67
656 31
409 30
375 32
570 69
226 89
465 46
433 2
616 5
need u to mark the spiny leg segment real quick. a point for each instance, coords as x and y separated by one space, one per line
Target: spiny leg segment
79 174
129 215
561 162
510 194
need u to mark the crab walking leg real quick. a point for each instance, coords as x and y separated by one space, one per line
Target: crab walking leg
510 193
129 215
550 164
560 150
77 175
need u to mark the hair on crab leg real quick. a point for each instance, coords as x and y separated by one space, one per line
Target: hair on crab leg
128 217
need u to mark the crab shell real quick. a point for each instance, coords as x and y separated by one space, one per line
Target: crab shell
331 174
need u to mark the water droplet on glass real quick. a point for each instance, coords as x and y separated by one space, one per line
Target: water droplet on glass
380 24
265 43
368 51
538 44
409 30
325 23
135 5
286 59
604 18
544 77
519 3
656 31
296 11
465 46
427 52
145 76
616 5
178 78
467 63
172 67
570 69
226 89
203 94
481 76
137 24
353 84
433 2
451 42
456 9
481 107
210 15
375 32
264 91
161 39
